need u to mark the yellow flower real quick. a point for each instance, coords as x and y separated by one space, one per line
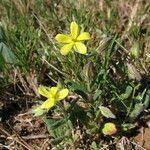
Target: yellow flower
73 40
53 95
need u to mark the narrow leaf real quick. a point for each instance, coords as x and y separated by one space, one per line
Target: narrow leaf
106 112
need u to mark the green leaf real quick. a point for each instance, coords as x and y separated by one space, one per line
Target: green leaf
94 146
127 93
147 99
77 88
56 141
54 123
38 111
57 127
58 123
106 112
135 50
97 94
7 54
136 111
78 113
49 122
127 126
92 130
133 72
141 106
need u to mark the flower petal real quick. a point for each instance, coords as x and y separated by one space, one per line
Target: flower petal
84 36
63 38
74 29
53 91
44 91
62 94
48 103
66 48
80 48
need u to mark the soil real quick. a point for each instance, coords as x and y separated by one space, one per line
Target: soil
20 130
143 137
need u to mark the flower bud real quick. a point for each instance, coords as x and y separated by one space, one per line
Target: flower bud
109 129
135 50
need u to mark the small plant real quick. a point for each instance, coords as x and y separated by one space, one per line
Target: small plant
87 61
99 95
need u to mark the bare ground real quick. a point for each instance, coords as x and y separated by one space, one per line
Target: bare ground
20 130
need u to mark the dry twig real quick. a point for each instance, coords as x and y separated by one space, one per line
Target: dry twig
17 139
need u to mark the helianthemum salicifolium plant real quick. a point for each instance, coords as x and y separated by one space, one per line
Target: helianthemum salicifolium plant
73 40
53 95
99 95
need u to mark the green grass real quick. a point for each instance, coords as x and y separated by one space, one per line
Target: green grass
115 73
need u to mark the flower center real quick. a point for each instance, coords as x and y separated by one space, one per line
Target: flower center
74 40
